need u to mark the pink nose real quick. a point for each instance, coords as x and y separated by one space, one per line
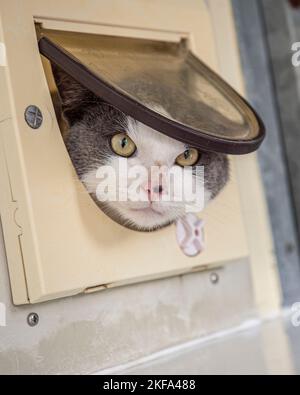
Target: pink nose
153 191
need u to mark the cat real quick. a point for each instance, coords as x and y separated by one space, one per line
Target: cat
97 131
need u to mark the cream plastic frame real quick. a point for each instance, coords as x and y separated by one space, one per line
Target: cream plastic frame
52 229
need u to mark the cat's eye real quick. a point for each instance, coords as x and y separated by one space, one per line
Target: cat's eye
188 158
122 145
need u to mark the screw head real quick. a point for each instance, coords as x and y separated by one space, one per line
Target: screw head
33 319
214 278
33 116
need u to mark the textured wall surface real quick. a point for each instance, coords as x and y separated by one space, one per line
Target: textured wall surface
263 29
87 333
211 356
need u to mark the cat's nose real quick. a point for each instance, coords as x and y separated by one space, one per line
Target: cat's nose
154 191
158 189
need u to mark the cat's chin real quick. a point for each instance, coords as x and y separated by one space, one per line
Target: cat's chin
147 219
143 220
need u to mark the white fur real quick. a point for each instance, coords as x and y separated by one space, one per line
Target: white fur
153 149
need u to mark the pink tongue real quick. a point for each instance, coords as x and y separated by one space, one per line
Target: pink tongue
190 234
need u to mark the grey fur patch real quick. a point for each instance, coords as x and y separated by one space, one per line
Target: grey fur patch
92 122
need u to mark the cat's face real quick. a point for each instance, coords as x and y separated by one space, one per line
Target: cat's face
100 135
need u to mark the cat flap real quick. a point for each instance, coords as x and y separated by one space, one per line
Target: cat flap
160 84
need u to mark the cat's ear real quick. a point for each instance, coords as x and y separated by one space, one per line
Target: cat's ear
75 98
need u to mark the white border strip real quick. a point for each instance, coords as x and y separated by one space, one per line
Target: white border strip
2 54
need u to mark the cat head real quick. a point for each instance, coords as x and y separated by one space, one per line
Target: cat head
102 137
